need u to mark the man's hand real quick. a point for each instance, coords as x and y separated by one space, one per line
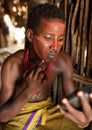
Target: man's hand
35 81
81 118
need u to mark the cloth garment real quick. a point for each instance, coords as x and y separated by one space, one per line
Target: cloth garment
42 115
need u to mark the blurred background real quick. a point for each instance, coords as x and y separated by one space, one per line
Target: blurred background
13 14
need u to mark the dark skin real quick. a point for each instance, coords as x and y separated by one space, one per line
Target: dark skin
18 88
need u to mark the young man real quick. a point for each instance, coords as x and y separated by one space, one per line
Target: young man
27 76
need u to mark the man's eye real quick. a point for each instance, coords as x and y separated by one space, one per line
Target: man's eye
61 39
47 38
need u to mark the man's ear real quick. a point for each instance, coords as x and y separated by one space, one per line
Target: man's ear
29 34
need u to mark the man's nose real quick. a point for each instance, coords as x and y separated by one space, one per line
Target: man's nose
54 45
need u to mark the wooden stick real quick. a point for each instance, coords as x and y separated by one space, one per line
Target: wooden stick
68 30
80 31
81 79
89 57
73 37
84 38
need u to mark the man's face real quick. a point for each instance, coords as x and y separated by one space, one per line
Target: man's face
49 39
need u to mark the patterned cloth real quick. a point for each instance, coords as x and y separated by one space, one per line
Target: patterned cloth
42 115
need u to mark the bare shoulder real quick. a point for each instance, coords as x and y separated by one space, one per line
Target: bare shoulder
10 73
12 64
64 61
65 57
16 58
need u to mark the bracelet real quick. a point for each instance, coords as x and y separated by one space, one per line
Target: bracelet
83 126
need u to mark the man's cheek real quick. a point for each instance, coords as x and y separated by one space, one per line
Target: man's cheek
45 53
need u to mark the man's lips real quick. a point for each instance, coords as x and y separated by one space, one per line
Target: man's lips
52 54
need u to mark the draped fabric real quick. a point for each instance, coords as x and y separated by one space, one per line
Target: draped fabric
42 115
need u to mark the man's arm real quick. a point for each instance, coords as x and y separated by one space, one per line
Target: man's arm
10 109
67 74
32 84
9 74
81 118
68 83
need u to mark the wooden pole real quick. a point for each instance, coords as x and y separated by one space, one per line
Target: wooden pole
74 31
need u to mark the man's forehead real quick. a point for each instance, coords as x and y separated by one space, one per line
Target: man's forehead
52 26
49 20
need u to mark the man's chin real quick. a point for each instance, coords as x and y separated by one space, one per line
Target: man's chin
51 59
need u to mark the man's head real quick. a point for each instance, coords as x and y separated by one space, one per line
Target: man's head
43 11
46 31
